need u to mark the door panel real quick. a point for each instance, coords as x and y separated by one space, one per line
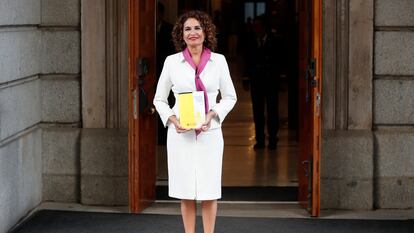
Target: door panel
141 117
304 107
317 51
310 63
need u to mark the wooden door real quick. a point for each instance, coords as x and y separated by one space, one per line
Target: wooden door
141 117
310 71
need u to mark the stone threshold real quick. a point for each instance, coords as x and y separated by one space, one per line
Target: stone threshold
240 209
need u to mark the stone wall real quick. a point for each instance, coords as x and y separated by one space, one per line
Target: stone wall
20 146
39 89
393 109
368 105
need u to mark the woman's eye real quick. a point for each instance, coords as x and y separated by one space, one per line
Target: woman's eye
197 28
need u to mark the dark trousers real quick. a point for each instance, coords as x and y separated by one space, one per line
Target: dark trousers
265 93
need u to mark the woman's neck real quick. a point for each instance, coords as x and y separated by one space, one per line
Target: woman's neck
195 51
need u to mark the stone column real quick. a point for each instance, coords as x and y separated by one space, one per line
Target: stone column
60 93
347 147
104 141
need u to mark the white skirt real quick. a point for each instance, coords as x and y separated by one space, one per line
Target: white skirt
195 165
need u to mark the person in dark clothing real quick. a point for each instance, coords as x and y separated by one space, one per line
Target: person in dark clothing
165 47
263 64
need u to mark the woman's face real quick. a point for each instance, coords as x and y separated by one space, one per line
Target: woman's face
193 34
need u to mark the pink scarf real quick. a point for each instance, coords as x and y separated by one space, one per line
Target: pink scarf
205 56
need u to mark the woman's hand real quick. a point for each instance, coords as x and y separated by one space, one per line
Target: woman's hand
206 125
173 119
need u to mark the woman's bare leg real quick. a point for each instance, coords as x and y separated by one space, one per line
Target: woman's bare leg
188 212
209 212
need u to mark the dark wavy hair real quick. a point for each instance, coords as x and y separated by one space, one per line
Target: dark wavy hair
206 24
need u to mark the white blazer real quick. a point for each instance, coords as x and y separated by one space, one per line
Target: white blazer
177 75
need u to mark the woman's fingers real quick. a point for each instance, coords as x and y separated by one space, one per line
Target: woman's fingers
205 126
181 129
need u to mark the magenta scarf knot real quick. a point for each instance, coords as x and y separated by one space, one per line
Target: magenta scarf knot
205 57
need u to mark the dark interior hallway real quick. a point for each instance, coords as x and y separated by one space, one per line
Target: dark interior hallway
244 166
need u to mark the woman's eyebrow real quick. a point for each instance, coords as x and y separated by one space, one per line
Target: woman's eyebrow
194 26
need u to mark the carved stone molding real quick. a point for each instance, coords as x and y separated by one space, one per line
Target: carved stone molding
104 63
116 64
93 63
361 52
335 82
348 42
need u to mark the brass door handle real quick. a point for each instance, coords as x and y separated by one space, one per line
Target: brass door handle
151 110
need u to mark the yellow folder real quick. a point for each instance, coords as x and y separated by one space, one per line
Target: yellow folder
191 109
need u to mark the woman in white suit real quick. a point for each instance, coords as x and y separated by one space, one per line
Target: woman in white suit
195 156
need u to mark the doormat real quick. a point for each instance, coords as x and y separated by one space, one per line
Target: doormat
245 193
52 221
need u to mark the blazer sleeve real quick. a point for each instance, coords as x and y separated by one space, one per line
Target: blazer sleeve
161 94
227 91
